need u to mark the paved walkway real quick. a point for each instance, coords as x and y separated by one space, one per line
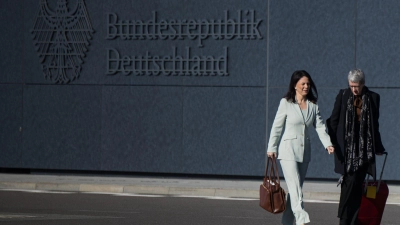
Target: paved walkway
235 188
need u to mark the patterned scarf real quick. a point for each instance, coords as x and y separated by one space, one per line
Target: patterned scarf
356 158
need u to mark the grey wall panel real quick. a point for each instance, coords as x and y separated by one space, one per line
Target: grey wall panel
377 42
247 58
317 36
224 130
389 127
33 71
244 56
143 11
93 68
93 65
247 64
142 129
11 122
185 123
62 126
274 96
11 36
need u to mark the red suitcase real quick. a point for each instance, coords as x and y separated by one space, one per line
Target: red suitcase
371 209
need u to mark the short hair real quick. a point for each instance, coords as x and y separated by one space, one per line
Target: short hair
356 76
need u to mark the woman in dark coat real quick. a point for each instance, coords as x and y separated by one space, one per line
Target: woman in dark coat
354 131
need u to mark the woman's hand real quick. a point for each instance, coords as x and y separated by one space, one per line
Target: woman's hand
270 154
330 149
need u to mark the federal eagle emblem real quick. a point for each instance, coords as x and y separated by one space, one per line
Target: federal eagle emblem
61 38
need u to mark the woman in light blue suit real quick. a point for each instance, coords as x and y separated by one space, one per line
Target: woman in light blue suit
289 140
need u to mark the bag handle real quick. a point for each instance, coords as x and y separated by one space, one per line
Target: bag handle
273 174
380 177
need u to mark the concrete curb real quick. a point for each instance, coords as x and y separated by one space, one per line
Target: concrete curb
164 190
101 188
150 190
17 185
132 189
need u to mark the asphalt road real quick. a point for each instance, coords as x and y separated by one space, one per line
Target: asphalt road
27 208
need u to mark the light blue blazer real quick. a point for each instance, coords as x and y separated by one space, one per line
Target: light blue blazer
294 143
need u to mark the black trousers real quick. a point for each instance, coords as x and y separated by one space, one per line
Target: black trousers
350 196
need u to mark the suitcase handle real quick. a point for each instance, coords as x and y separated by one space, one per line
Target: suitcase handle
380 177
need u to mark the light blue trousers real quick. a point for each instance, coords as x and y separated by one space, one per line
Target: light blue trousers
294 173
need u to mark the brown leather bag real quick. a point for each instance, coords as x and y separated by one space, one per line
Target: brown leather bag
272 195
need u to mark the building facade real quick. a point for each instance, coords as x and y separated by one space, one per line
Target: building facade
181 86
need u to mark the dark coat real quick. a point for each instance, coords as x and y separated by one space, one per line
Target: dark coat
336 128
